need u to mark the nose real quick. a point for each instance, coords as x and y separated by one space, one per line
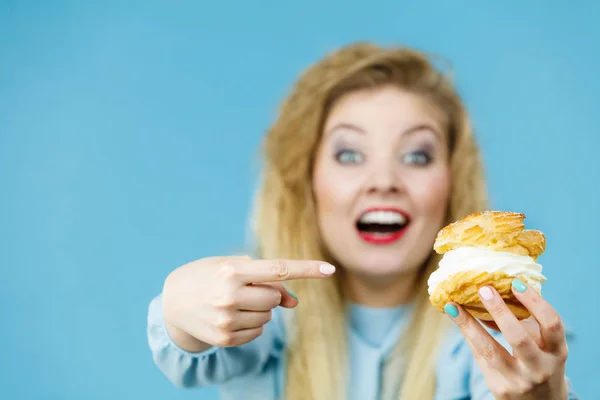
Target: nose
384 177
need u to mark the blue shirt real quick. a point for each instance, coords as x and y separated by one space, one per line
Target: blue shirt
256 370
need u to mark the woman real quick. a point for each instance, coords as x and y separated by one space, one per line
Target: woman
371 155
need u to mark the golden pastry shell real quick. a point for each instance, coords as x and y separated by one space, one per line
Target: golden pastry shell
495 230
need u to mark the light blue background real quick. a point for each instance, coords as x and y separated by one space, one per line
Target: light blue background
128 146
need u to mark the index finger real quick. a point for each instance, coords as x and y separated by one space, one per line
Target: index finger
256 271
515 334
486 350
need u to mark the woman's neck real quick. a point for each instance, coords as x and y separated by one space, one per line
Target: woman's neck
380 291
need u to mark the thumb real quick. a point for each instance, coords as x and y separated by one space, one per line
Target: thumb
288 299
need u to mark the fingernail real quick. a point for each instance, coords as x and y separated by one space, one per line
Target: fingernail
519 286
327 269
293 295
486 293
451 310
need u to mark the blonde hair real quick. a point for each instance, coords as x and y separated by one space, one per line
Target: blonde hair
285 221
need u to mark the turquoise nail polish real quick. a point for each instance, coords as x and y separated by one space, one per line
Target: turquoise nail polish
519 286
293 295
451 310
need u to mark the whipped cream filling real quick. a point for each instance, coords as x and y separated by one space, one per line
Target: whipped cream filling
486 260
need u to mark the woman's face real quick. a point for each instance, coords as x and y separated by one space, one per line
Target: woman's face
382 181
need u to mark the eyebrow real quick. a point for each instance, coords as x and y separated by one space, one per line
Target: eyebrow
409 131
345 125
422 127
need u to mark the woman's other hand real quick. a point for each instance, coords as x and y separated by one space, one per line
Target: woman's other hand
226 301
536 370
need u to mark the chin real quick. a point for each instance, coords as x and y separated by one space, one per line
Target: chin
372 267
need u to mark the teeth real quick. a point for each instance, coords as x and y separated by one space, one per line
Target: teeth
383 217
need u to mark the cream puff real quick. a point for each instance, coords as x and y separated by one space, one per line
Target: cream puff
486 248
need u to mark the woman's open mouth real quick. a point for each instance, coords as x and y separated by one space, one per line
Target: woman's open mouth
382 225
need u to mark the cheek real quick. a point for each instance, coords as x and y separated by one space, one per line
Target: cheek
334 190
431 193
330 195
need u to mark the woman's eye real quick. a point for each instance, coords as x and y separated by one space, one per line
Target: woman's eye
349 157
416 158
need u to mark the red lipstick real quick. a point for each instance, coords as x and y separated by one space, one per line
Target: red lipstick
382 232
